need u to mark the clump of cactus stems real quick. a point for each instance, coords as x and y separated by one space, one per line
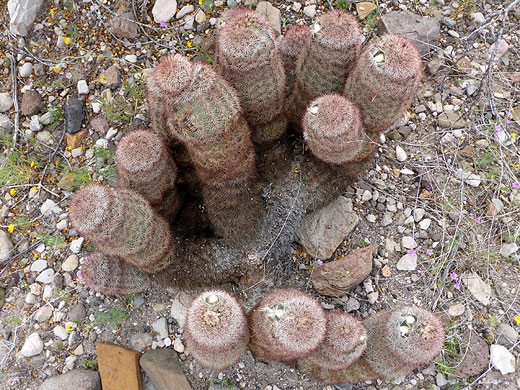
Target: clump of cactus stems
203 112
295 39
247 55
326 60
122 223
385 81
216 330
398 342
287 325
145 166
344 343
112 276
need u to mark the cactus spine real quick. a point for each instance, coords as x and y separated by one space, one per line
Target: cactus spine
399 341
216 330
327 60
122 223
204 114
384 81
112 276
287 325
145 166
247 55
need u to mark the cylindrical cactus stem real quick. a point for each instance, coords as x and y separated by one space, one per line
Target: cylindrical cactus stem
293 43
216 330
112 276
333 130
385 81
205 116
145 166
325 63
344 343
287 325
122 223
398 342
247 55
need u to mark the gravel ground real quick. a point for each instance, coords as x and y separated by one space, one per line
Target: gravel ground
444 189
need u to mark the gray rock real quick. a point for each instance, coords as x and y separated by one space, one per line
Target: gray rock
43 313
32 346
475 358
310 11
50 207
450 23
480 290
468 178
140 341
124 28
508 249
75 245
502 359
423 31
22 14
111 77
407 263
77 313
507 335
73 114
190 20
25 70
325 229
352 305
164 10
70 264
400 154
200 16
161 327
6 102
44 136
451 119
100 125
38 265
59 331
337 277
35 124
74 379
162 366
6 246
82 87
425 224
46 276
272 14
185 11
180 307
408 242
478 17
456 310
5 124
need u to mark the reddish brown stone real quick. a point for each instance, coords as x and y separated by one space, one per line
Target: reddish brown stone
339 276
119 367
74 140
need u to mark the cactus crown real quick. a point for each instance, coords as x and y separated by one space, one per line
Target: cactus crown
294 40
247 43
171 76
89 207
215 317
139 151
338 30
395 57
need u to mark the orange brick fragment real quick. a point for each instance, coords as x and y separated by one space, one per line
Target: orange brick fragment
119 367
74 140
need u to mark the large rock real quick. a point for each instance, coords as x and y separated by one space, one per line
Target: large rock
325 229
474 356
164 10
32 103
33 345
480 290
123 26
22 14
502 359
119 367
423 31
6 246
272 14
162 366
75 379
339 276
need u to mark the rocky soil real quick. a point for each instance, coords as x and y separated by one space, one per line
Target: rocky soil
437 212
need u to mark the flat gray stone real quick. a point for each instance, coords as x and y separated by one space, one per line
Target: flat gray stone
162 366
32 346
325 229
74 379
6 246
502 359
423 31
22 14
164 10
480 290
451 119
6 102
272 14
407 263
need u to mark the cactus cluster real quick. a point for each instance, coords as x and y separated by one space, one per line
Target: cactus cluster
247 55
112 276
122 223
290 325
